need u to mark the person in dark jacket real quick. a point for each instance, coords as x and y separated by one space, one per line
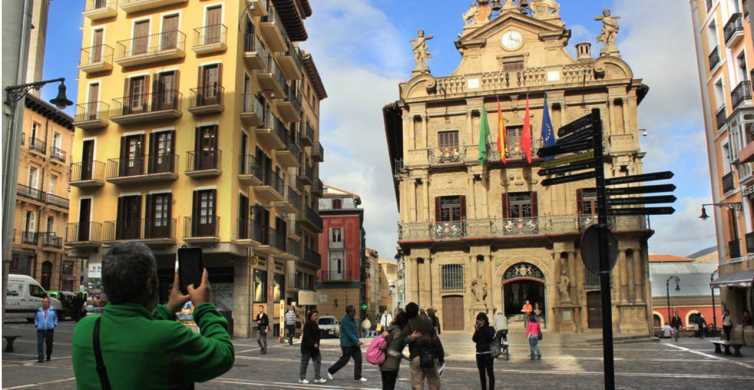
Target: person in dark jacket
484 337
394 347
263 326
435 321
426 352
350 345
310 349
676 324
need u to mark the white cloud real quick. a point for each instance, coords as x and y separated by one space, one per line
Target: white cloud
361 57
683 233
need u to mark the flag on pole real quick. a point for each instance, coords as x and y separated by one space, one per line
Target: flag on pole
500 132
548 135
526 136
484 133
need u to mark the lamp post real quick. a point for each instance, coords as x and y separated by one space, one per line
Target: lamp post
13 95
667 290
712 293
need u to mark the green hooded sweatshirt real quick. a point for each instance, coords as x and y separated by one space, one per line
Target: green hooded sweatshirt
143 351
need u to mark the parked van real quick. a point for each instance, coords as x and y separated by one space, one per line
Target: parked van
25 297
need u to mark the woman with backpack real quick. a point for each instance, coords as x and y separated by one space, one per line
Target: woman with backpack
310 349
484 337
393 348
534 333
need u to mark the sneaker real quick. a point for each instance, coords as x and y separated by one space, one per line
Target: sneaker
441 370
329 376
320 380
362 379
304 381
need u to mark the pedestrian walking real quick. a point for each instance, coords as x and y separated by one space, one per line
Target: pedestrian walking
386 319
263 327
527 310
534 334
484 337
310 349
366 326
501 334
435 321
45 321
701 325
727 324
676 324
394 346
290 324
425 350
350 346
136 343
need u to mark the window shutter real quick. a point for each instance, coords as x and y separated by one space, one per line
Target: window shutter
169 205
463 208
126 96
195 210
534 211
579 201
505 205
437 209
149 217
145 91
200 82
219 77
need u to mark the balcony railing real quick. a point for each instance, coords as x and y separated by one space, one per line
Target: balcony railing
162 230
255 53
278 240
317 186
734 249
51 240
313 218
203 163
143 167
57 154
89 174
333 276
100 9
95 59
147 107
318 152
307 136
741 93
273 30
152 48
447 156
207 99
714 58
312 257
733 26
290 62
721 117
728 183
250 170
83 234
252 113
56 200
29 238
512 227
210 39
131 6
201 227
92 115
37 145
294 248
30 192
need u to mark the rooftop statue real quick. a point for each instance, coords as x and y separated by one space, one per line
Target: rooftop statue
421 52
609 32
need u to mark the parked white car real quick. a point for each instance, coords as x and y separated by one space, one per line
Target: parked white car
25 297
329 326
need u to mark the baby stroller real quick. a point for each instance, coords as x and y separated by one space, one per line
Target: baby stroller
501 345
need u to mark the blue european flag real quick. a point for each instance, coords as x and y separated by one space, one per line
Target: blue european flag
548 135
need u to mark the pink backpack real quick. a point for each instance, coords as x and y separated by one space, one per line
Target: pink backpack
375 352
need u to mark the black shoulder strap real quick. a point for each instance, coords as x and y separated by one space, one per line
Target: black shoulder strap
101 370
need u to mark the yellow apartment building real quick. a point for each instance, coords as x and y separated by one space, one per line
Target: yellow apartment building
486 237
722 33
198 125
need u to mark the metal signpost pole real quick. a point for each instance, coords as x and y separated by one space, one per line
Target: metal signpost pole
607 317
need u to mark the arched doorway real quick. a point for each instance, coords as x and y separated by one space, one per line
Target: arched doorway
523 282
46 274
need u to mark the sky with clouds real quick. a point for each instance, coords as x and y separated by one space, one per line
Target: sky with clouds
362 50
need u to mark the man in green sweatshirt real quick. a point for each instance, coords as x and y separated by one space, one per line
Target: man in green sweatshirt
142 346
349 345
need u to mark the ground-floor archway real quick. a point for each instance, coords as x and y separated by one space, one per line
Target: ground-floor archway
523 282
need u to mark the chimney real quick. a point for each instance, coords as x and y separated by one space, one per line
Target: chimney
584 51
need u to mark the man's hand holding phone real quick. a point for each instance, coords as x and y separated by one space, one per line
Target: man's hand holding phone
176 299
199 295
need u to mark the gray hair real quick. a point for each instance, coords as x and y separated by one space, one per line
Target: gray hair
129 274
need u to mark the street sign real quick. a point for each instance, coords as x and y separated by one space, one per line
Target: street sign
568 159
639 178
585 121
642 200
590 253
568 179
642 211
566 168
641 190
567 148
586 133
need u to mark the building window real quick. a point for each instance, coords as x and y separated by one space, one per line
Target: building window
336 235
53 185
520 205
587 201
447 140
337 204
450 209
513 142
712 35
452 277
278 287
260 286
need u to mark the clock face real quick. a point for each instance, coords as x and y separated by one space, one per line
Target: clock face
512 40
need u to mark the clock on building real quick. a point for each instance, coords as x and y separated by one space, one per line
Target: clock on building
512 40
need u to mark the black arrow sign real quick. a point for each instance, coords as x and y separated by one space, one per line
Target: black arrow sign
568 179
639 178
641 190
568 148
587 133
642 200
643 211
578 124
566 168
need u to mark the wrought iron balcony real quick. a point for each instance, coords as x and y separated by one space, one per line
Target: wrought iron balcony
289 105
92 115
271 189
96 59
714 58
100 9
148 49
30 192
255 53
207 100
251 173
210 39
150 232
51 240
57 154
205 163
741 93
734 29
271 80
312 257
291 202
307 135
143 169
728 183
257 7
721 117
317 186
29 238
84 235
147 107
290 62
334 276
253 113
131 6
36 145
293 248
306 174
273 30
312 219
56 200
447 156
272 134
87 174
288 156
318 152
201 229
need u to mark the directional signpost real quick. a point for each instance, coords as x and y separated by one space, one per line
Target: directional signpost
598 244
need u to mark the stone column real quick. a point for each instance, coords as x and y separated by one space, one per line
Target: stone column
622 270
639 276
631 276
572 276
412 280
427 201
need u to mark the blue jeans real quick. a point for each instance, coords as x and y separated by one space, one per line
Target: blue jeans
44 339
534 347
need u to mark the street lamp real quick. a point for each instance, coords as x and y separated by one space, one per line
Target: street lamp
735 206
667 290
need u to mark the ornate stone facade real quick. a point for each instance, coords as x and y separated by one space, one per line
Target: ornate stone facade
487 236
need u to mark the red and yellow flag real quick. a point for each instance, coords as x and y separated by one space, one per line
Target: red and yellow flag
526 143
500 132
